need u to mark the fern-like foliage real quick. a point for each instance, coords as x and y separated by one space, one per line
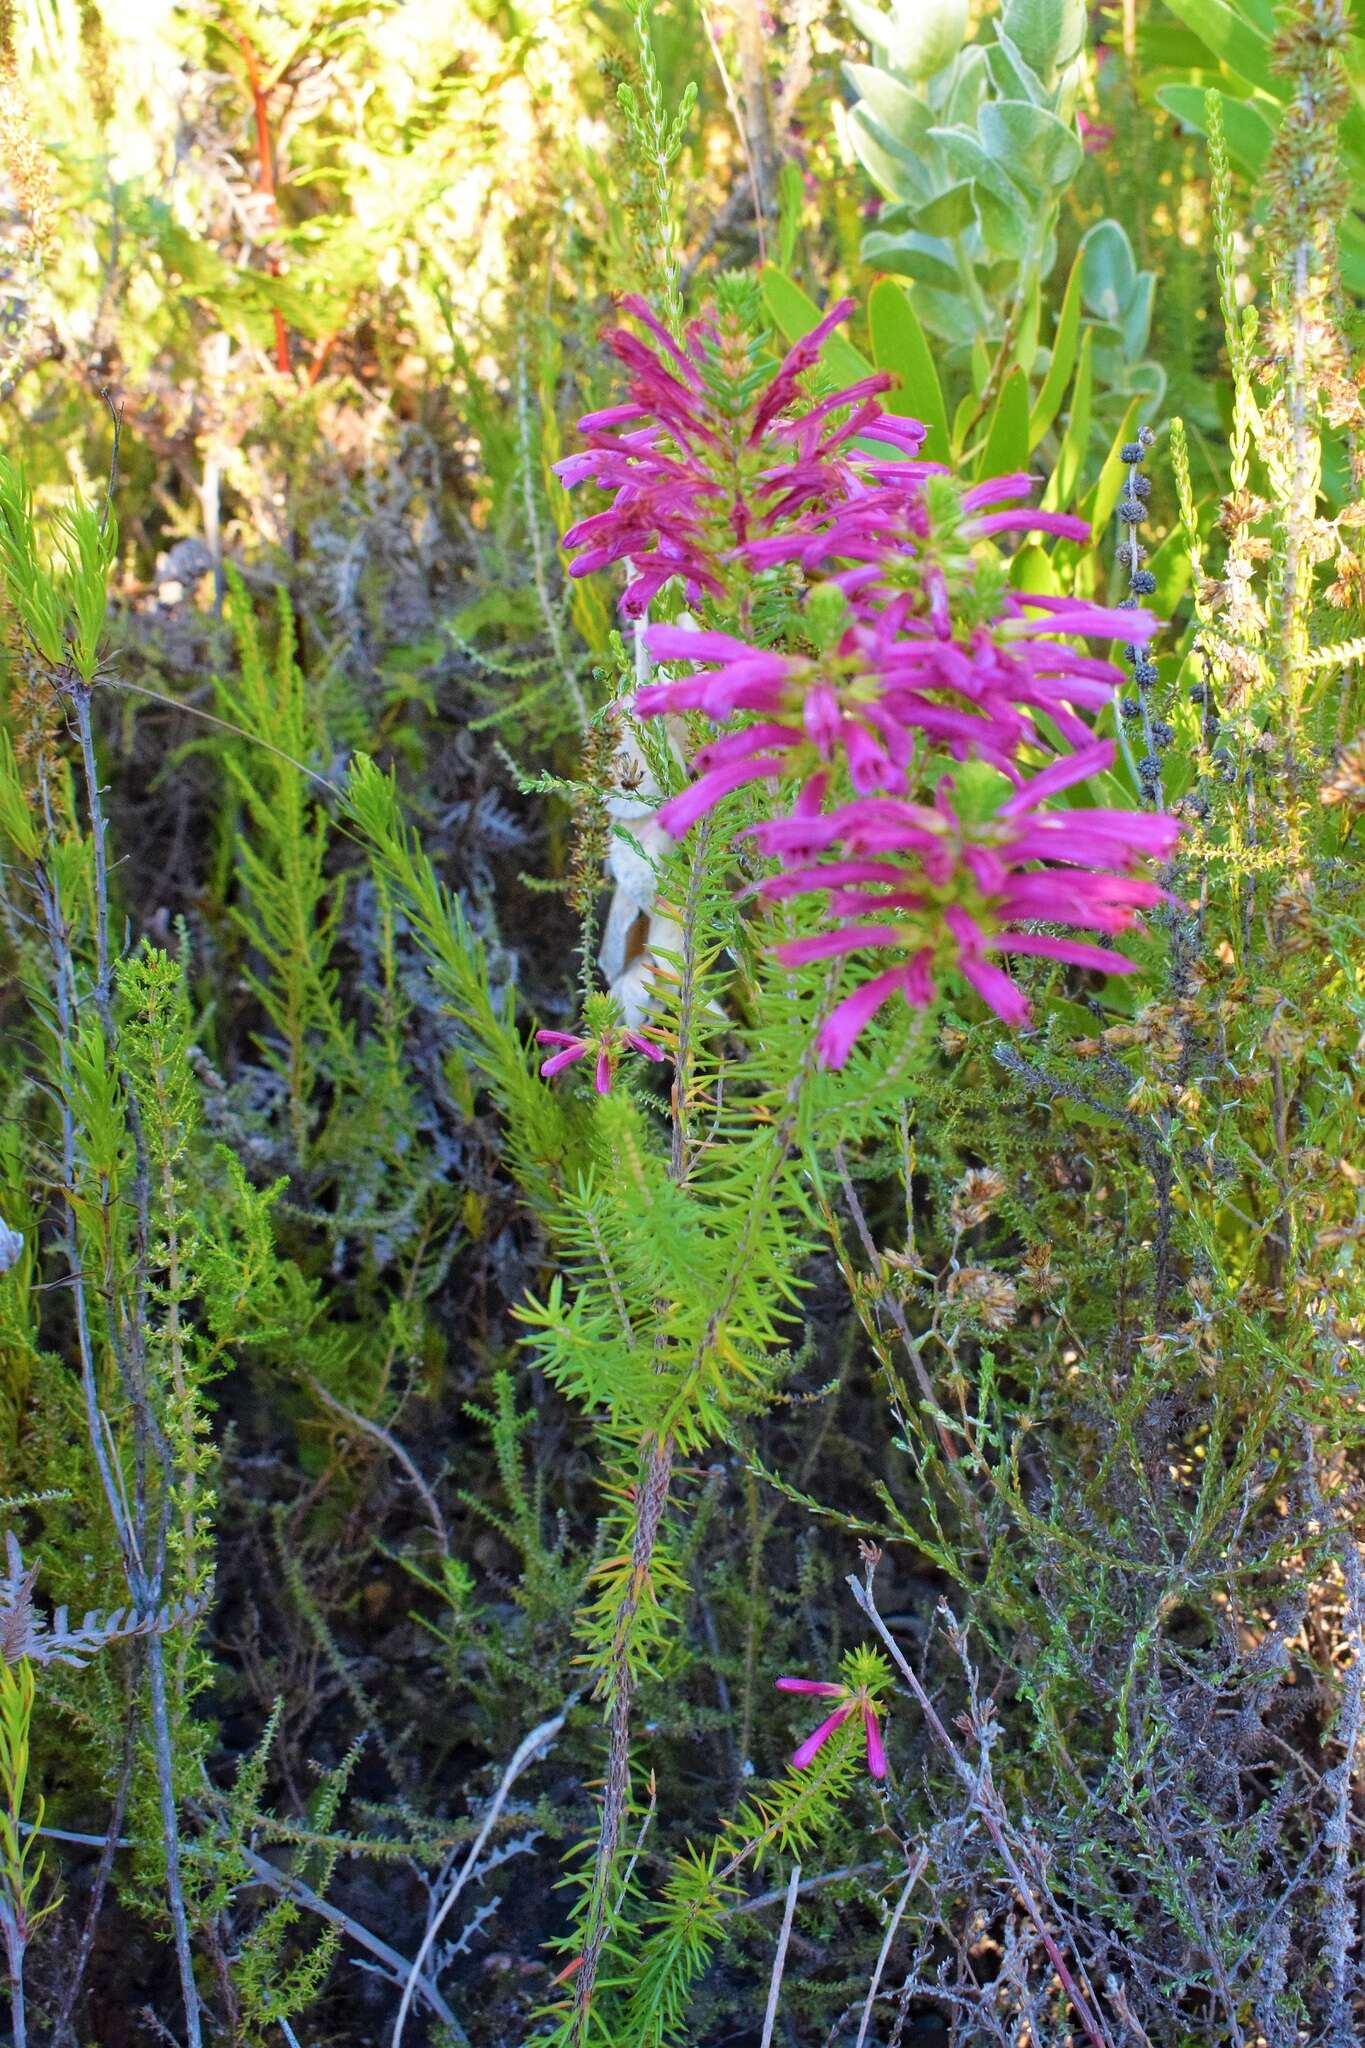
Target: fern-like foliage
25 1635
288 907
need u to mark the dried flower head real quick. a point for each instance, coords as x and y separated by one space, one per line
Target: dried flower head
975 1196
1346 783
988 1297
1038 1272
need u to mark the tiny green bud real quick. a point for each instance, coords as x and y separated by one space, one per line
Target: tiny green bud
942 501
826 615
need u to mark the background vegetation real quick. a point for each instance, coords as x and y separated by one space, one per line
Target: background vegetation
444 1463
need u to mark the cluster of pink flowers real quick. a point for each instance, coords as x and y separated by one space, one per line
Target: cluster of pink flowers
903 651
852 1700
697 476
603 1043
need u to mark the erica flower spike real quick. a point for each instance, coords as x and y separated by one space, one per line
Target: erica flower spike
863 655
709 453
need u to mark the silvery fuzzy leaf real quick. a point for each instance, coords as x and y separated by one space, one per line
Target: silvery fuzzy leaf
1014 79
895 171
1006 227
918 36
950 212
1108 271
968 83
965 152
1047 33
899 110
1136 319
1027 140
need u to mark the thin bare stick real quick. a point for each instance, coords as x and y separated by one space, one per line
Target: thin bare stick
64 1005
527 1751
116 415
653 1498
265 183
885 1298
780 1959
224 725
395 1451
737 116
645 1825
170 1835
807 1884
539 571
985 1801
143 1553
401 1970
916 1872
113 1839
1341 1918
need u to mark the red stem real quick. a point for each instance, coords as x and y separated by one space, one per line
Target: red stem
265 183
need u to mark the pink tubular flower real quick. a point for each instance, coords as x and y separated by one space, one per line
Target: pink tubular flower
695 476
943 894
852 1701
575 1048
809 708
607 1043
877 683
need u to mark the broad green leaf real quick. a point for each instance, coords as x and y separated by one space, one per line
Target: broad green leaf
1050 397
1061 485
1032 569
945 314
873 23
1148 379
919 38
1136 322
1232 34
1049 34
901 113
969 82
1006 446
969 159
1099 506
794 313
1108 272
791 197
962 420
1351 141
911 255
950 214
1352 131
1170 564
1027 139
1351 241
899 345
896 253
1015 79
981 365
1026 344
895 172
1249 134
1007 225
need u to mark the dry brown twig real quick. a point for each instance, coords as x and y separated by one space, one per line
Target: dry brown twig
986 1801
